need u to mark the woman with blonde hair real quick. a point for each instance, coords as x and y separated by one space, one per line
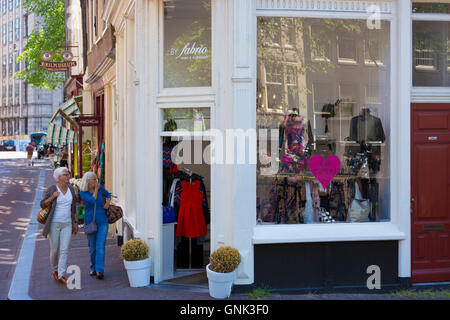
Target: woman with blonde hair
62 221
92 194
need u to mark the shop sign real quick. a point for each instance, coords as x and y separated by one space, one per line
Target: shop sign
187 43
88 121
67 56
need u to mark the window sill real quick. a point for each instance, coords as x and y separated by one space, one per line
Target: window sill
375 231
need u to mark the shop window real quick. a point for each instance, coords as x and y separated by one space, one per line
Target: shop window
188 119
187 44
431 53
323 124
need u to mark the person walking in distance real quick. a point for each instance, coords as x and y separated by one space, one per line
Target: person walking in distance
64 157
92 193
30 151
62 221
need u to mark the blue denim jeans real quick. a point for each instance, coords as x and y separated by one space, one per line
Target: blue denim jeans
97 244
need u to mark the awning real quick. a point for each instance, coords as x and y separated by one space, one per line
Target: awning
59 135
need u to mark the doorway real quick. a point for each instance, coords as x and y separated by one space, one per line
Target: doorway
430 192
187 190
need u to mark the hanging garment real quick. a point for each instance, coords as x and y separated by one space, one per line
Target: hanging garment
309 211
191 220
292 133
366 128
167 159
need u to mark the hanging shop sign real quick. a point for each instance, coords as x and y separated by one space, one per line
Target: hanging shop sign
88 121
187 44
67 56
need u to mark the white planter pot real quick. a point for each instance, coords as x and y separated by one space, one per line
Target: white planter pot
220 284
138 272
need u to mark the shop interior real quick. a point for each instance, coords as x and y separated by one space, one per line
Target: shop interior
186 189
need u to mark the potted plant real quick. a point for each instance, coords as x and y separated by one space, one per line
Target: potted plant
137 262
221 271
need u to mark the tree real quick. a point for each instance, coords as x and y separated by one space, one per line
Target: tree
48 35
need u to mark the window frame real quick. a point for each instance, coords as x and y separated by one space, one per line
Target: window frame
186 91
301 233
419 93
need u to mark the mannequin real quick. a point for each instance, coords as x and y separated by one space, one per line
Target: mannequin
366 127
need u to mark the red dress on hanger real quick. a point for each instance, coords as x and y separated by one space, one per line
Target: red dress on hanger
191 221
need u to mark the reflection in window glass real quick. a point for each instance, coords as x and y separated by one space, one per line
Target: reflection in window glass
187 43
190 119
421 7
323 155
431 53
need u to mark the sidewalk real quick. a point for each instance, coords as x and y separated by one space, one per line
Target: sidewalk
115 285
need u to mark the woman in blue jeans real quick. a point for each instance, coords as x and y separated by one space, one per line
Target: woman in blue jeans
92 193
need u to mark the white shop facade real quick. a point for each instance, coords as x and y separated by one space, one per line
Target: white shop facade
299 80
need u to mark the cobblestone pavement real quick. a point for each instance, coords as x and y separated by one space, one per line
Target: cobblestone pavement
17 191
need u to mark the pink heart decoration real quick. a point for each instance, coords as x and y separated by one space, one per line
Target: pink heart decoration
324 170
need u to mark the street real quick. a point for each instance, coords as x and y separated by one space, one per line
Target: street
17 192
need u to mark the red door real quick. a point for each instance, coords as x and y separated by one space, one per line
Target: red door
430 191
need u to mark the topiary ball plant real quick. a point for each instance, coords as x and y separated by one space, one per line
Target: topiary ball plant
134 250
224 260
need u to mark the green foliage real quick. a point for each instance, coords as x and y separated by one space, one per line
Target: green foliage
48 35
134 250
224 260
259 293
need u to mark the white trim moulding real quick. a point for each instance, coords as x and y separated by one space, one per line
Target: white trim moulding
323 5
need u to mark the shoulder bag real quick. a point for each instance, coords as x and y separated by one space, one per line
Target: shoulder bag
169 210
43 214
91 228
114 213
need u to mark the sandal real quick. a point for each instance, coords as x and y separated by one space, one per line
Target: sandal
92 273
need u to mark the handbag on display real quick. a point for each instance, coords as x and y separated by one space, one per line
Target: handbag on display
169 211
91 228
360 208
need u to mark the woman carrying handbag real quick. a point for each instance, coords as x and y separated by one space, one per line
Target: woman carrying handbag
61 221
92 193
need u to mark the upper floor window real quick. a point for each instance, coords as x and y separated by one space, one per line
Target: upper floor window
187 43
4 65
25 18
17 3
431 55
5 6
427 7
11 5
17 28
4 34
11 31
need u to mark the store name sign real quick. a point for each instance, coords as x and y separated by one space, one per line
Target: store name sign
191 52
88 122
46 62
57 66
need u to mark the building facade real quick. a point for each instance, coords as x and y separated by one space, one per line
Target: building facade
318 133
24 109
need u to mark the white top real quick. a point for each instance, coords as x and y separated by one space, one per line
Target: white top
63 210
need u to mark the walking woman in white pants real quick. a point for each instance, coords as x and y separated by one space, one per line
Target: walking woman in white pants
62 221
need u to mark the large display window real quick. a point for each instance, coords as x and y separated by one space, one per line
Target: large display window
323 106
